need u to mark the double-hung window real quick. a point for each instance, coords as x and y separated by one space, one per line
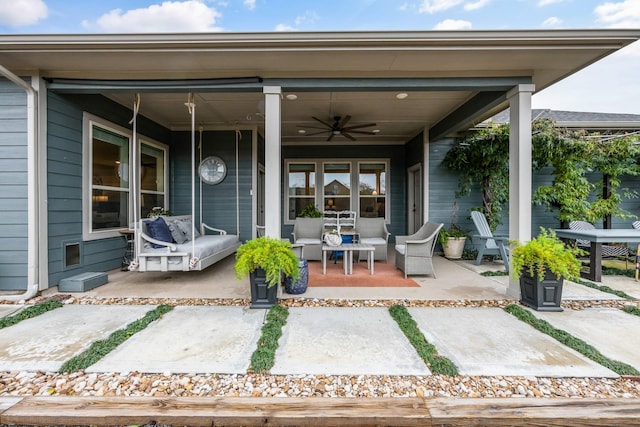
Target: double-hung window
107 201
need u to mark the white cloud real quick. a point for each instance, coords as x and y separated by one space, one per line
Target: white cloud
309 17
625 14
250 4
170 16
542 3
432 6
478 4
453 24
552 22
285 27
20 13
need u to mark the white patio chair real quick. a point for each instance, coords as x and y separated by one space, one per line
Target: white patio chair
489 244
414 253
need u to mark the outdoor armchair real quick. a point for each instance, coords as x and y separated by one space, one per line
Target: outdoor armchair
308 232
414 253
373 231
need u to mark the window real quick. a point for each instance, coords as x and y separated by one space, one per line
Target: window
372 185
302 187
336 186
106 174
152 177
338 178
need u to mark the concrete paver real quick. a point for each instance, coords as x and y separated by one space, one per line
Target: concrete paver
190 340
47 341
337 341
9 309
489 341
613 332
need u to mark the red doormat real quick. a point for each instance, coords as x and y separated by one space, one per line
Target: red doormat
385 275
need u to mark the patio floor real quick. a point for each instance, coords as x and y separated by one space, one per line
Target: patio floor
456 280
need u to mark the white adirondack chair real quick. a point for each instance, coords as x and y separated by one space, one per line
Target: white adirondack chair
489 244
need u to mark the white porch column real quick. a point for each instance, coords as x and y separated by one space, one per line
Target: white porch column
272 191
519 169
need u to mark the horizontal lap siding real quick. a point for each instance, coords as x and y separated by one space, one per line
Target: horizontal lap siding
13 187
64 182
218 201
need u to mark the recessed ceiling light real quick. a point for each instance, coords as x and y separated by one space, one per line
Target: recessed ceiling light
292 96
402 95
302 131
376 131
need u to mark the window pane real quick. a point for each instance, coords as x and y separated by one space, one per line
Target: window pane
151 168
302 180
337 179
372 179
110 159
109 209
149 201
372 207
297 205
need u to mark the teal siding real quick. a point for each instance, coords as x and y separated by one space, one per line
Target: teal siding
13 187
218 201
397 193
64 181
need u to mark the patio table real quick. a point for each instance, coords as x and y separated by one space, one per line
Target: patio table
347 259
597 237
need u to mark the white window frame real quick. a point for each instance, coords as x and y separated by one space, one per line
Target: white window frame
355 181
88 121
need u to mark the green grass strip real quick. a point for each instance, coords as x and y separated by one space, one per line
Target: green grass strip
29 312
494 273
264 357
570 341
606 289
436 363
631 310
101 348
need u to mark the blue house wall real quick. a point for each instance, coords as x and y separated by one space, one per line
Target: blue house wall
64 181
13 186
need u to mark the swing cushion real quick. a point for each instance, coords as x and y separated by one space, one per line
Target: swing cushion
185 226
178 236
159 230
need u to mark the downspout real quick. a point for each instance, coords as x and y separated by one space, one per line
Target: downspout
32 176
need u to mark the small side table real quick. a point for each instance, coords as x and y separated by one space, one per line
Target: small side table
130 249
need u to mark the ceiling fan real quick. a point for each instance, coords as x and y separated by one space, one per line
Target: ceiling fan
339 127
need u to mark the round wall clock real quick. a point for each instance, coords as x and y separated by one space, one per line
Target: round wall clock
212 170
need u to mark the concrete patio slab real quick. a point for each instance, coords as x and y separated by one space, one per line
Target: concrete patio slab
345 341
489 341
9 309
45 342
613 332
190 340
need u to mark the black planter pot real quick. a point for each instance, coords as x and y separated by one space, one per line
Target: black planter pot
541 294
262 295
299 286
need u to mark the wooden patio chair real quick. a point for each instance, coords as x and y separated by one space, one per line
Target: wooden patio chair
488 243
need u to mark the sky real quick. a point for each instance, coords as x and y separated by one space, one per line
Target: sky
611 85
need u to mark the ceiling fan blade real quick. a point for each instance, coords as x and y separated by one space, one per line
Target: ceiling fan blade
317 133
346 135
362 132
359 126
344 121
314 127
331 136
323 122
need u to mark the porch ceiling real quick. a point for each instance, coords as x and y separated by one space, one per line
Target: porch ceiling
539 57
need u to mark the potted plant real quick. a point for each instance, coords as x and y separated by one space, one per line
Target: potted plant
453 238
266 260
310 211
542 264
